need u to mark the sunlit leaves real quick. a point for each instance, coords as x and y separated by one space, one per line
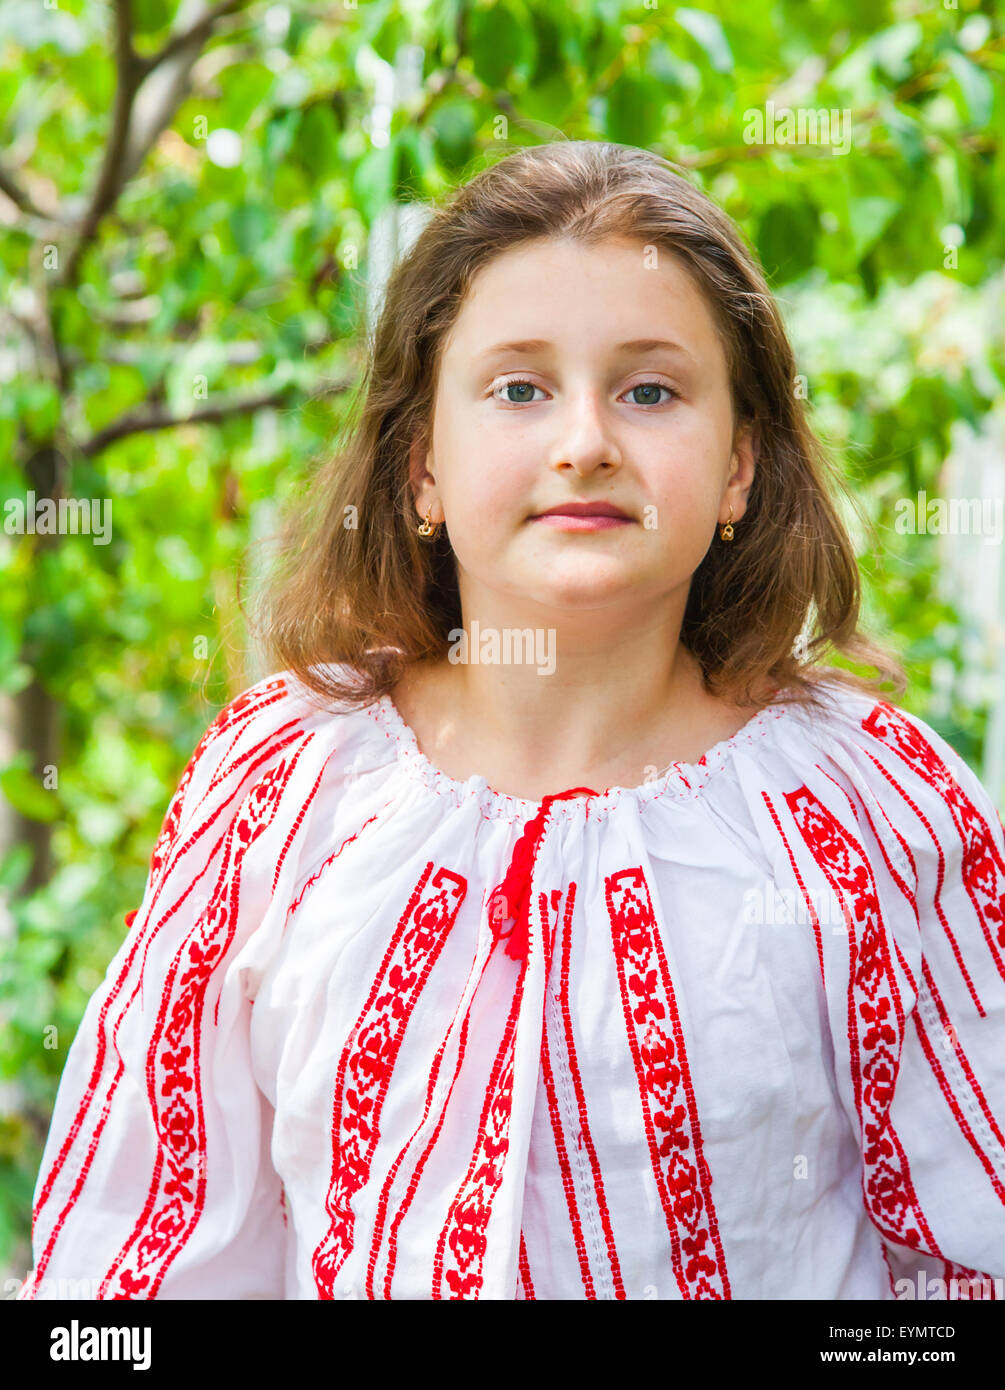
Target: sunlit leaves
503 42
707 31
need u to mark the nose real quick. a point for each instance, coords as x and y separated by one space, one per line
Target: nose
586 439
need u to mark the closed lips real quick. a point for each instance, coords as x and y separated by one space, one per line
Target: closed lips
584 509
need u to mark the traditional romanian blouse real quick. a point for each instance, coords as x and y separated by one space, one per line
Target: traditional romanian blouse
737 1033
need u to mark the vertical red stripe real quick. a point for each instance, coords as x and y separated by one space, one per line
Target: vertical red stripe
875 1024
600 1195
666 1091
404 1203
370 1054
526 1281
983 869
174 1082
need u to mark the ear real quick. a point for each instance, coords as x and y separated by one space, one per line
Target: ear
742 466
421 481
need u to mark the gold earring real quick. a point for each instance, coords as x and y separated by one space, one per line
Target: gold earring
726 532
425 528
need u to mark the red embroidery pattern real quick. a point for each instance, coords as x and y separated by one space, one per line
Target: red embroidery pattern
584 1139
799 879
910 893
525 1284
460 1249
972 1279
370 1053
238 712
234 716
407 1198
970 1284
176 1197
983 869
874 1003
568 1183
665 1088
940 876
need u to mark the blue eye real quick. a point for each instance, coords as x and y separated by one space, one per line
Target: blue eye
651 386
519 385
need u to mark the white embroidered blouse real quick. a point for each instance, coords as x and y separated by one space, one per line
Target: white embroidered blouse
738 1033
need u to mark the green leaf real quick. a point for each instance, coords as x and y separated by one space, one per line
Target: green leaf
786 240
413 165
868 217
708 33
280 132
393 33
317 140
453 125
26 793
40 407
671 71
245 88
150 16
548 101
249 226
500 41
905 132
633 112
893 48
952 175
975 87
549 46
15 867
374 180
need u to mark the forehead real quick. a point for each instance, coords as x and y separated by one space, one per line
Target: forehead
572 295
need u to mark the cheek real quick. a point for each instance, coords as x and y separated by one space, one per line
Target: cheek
695 452
493 491
686 484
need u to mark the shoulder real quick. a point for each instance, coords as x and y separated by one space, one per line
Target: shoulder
267 716
896 762
889 735
280 706
268 745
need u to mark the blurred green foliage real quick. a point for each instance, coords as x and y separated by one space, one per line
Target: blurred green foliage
225 275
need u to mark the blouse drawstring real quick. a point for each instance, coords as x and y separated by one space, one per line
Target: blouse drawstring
513 895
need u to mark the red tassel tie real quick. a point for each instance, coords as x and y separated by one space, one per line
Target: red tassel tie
513 894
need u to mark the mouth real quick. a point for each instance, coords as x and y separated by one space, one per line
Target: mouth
584 516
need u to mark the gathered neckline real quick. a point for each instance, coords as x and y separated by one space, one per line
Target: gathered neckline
679 781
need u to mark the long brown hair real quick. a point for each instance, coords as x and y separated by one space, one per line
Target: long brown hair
351 581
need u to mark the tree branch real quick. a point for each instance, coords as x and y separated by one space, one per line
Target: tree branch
22 199
109 183
194 36
151 419
142 110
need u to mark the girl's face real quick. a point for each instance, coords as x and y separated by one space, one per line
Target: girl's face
547 394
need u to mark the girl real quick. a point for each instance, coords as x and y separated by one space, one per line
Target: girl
555 924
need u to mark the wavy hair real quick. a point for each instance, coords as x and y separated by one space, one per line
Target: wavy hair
352 584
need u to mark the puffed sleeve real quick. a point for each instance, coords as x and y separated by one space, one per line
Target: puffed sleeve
926 1011
156 1179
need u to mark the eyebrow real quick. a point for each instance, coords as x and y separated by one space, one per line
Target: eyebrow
636 345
